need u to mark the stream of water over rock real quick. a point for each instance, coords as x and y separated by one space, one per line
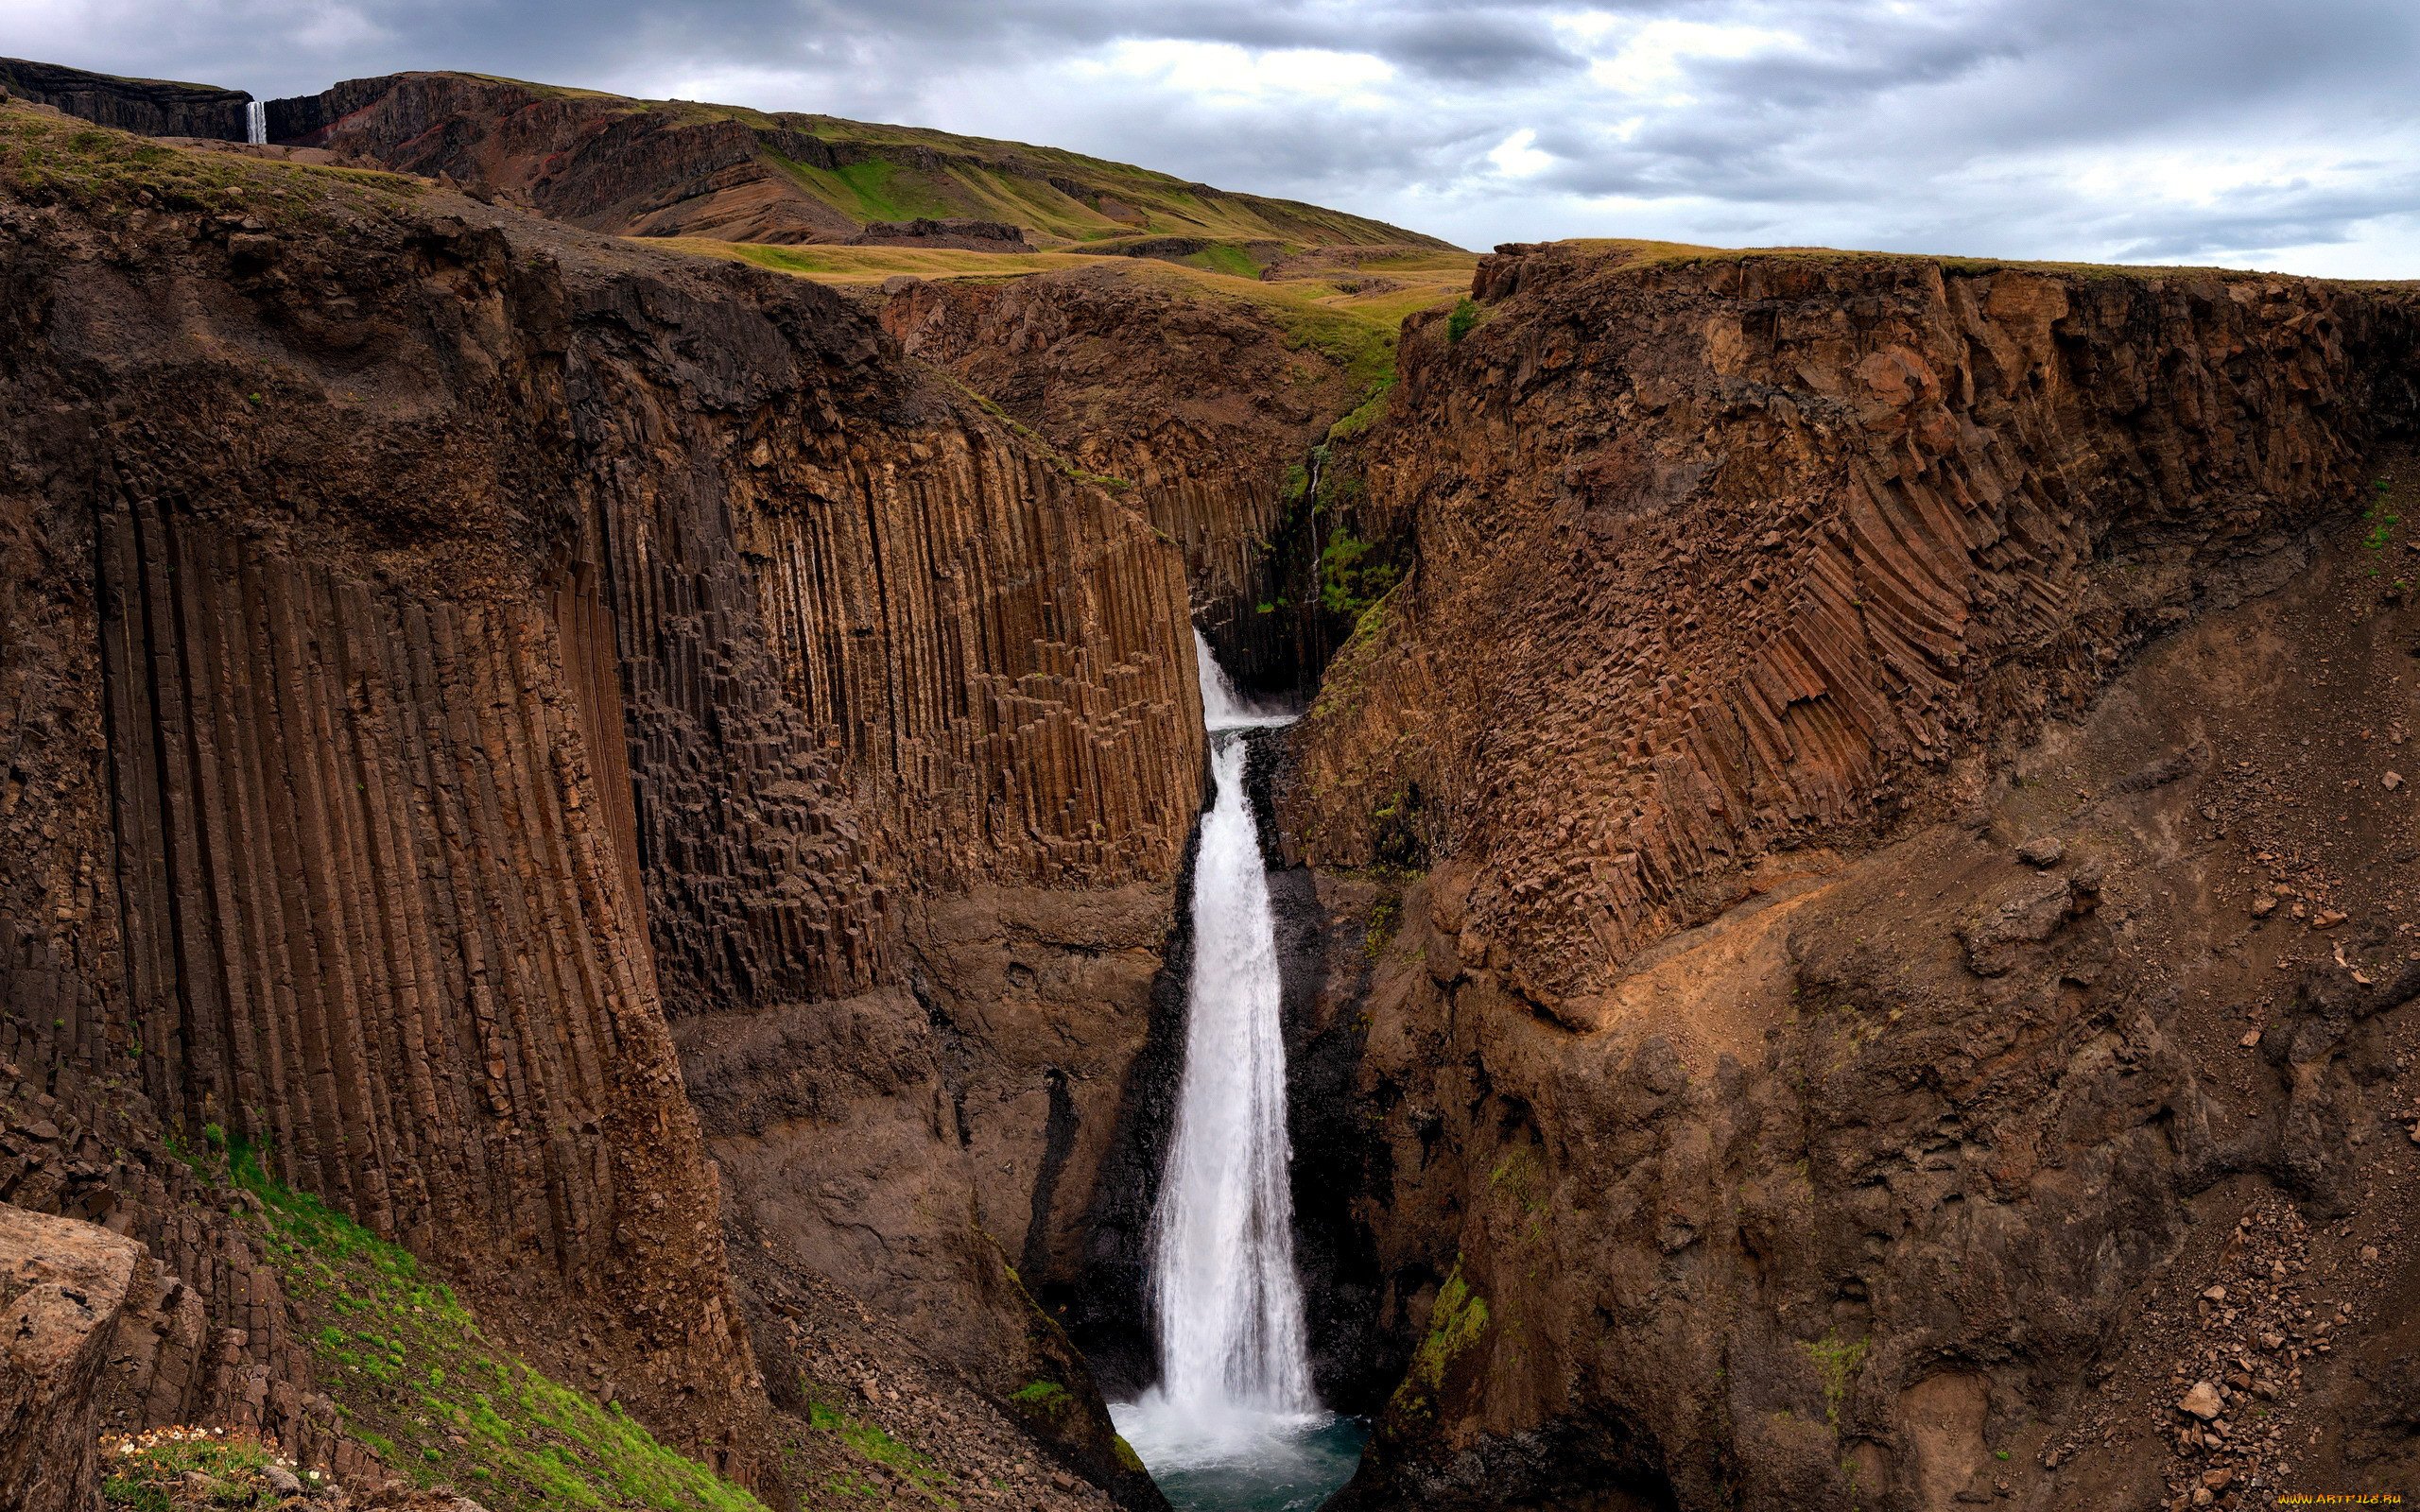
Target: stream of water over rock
1233 1423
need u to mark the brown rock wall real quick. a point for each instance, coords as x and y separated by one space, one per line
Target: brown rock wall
65 1284
154 107
1757 549
1846 729
476 645
1197 404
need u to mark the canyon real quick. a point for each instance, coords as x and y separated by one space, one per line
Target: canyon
608 783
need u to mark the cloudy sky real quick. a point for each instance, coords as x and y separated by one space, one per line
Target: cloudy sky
2266 134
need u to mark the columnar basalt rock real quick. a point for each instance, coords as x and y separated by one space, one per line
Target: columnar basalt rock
1759 547
480 647
1827 1058
1198 405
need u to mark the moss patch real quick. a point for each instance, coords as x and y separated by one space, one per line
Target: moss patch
1456 1320
1836 1361
416 1379
1043 1399
1365 414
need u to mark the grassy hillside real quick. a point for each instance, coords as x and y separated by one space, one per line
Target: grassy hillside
614 162
901 172
1342 303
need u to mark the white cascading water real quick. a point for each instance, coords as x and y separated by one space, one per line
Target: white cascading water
1230 1313
255 122
1235 1376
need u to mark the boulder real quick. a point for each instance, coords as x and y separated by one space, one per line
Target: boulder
64 1284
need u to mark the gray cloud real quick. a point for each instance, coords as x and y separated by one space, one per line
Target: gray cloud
2267 131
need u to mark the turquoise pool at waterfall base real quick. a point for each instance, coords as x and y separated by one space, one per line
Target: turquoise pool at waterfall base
1290 1463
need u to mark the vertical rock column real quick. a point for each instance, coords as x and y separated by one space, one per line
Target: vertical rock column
376 923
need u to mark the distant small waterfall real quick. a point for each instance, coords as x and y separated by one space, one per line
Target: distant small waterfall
1229 1310
255 122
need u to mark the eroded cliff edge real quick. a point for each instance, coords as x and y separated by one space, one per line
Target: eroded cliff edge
1904 899
460 669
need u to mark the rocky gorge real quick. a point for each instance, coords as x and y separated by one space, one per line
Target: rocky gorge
599 838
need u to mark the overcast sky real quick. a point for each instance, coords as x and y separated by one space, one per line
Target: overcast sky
2280 134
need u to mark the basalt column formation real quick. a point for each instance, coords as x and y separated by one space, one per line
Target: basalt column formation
1849 744
1194 408
479 656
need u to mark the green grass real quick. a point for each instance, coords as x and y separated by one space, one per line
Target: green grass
1628 251
44 158
171 1469
411 1371
904 1463
872 189
1225 257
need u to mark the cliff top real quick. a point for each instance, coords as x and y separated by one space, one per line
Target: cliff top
35 77
46 155
1617 251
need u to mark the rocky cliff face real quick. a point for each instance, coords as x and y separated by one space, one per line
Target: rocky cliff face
1816 530
66 1286
480 648
1904 967
153 106
1199 407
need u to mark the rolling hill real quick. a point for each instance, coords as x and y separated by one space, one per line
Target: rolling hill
680 168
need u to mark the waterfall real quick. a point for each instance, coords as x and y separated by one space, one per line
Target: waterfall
1235 1365
255 122
1234 1422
